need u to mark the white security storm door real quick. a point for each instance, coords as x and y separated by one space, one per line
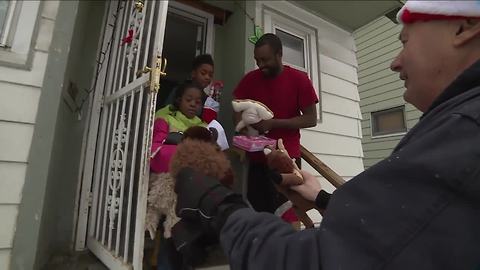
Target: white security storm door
116 167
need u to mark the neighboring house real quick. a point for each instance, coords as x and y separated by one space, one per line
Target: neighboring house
386 116
76 107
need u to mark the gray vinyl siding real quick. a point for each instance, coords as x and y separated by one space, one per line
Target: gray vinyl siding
379 87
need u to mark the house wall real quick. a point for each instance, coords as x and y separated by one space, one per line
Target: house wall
336 140
59 211
20 89
233 57
45 215
380 88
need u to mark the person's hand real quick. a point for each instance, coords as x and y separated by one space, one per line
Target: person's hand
198 195
173 138
243 131
187 239
204 199
310 188
264 126
278 160
283 185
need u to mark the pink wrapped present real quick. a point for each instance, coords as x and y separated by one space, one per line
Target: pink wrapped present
253 143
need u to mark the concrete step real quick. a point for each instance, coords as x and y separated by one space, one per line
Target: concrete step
87 261
218 267
78 261
216 260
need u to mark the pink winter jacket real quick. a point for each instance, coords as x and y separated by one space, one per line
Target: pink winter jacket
161 154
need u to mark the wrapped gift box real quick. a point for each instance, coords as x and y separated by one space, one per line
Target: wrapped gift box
253 143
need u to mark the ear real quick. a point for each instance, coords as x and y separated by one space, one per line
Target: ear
279 55
467 30
176 103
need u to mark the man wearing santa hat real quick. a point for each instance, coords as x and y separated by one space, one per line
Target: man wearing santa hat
418 208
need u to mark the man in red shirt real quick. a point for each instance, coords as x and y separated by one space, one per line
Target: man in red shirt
291 97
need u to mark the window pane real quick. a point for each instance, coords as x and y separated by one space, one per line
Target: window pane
388 121
3 14
293 48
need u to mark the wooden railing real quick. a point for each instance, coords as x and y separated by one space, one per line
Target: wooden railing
241 186
331 176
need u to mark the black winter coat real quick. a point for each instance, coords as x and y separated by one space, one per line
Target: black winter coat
417 209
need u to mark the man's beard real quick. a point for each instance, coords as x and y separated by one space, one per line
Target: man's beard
271 72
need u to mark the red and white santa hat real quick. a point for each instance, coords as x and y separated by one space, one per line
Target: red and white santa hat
419 10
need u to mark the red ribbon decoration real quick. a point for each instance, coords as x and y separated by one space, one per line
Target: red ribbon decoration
129 38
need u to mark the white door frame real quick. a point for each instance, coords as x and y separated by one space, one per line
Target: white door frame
199 16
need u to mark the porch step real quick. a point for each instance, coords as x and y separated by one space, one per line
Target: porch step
216 260
78 261
218 267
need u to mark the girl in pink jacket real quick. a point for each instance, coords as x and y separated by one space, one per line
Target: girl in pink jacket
171 121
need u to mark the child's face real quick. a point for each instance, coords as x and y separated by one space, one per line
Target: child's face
203 75
190 102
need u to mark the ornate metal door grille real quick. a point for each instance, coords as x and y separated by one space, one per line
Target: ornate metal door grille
119 141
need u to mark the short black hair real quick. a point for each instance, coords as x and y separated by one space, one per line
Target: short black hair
202 59
179 91
272 40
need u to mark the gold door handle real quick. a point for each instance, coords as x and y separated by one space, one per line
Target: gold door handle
139 5
143 71
157 72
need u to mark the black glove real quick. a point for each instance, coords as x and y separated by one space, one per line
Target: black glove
187 238
214 132
173 138
274 176
203 199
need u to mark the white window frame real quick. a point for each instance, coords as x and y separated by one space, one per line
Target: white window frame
306 50
10 22
273 19
389 134
17 51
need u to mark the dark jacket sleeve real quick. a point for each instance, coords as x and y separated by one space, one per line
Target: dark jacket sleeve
322 199
417 209
255 240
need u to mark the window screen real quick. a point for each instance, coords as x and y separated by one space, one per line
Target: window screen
293 48
8 15
3 15
389 121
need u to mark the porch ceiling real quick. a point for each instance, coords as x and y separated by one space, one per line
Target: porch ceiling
350 15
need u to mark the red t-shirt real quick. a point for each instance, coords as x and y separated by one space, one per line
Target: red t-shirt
285 95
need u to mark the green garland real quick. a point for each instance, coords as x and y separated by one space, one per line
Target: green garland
257 30
258 33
